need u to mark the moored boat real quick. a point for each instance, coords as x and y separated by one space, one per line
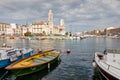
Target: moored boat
9 54
11 37
108 63
34 63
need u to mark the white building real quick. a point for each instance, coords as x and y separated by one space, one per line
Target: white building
17 30
47 27
24 29
39 27
4 28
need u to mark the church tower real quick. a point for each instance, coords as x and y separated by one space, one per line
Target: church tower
62 27
50 21
62 24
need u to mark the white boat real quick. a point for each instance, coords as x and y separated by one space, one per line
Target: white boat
76 38
116 36
9 54
108 63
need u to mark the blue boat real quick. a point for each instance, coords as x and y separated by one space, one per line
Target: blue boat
9 54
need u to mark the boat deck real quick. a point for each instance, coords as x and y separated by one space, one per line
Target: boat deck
35 60
116 64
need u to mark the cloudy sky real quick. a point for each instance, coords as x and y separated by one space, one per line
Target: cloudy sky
79 15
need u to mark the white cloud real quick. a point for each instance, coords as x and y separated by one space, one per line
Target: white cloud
75 12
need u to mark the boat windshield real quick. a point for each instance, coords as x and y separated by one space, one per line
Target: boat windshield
113 51
11 53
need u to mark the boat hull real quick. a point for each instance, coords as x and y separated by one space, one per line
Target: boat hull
106 75
104 72
4 63
26 71
25 55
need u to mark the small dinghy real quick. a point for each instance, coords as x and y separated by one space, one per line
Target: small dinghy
34 63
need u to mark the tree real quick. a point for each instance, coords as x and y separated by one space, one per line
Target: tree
27 34
66 33
70 33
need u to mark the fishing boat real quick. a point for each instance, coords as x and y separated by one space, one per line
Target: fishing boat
108 63
9 54
34 63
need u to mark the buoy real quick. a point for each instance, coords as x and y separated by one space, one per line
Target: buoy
68 51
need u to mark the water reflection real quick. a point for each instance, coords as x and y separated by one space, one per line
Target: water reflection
43 44
97 75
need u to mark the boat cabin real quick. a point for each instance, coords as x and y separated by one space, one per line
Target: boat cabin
6 53
113 56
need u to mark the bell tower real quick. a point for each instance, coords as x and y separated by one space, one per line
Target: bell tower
62 24
62 27
50 21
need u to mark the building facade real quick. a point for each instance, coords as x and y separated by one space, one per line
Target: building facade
111 31
47 28
18 30
5 28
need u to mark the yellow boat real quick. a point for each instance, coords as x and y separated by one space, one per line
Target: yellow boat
34 63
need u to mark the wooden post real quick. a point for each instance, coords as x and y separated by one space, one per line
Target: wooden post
22 55
0 56
48 67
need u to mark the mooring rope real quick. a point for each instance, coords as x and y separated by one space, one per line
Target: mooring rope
4 75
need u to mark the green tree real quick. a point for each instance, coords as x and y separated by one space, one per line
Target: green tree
67 33
70 33
27 34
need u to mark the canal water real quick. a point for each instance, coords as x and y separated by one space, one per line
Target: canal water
74 66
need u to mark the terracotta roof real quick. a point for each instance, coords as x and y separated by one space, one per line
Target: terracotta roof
2 23
39 23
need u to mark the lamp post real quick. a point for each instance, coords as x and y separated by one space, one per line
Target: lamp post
70 34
